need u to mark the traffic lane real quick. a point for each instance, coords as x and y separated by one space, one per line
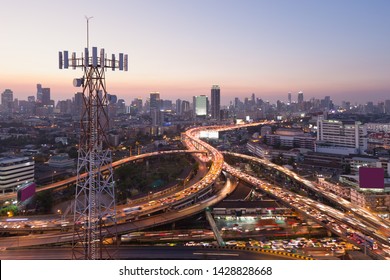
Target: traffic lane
143 253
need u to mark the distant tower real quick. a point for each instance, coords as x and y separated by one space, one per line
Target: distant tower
39 93
78 105
215 102
300 97
95 193
178 107
155 100
7 99
45 96
289 98
185 106
31 99
200 105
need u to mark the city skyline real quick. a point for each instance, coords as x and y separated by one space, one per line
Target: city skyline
181 49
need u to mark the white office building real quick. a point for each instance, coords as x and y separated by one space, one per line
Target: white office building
200 105
343 138
14 172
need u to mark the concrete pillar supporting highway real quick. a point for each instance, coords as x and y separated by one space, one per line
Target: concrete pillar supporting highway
213 225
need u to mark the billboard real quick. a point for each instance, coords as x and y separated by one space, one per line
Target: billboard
26 191
371 178
210 134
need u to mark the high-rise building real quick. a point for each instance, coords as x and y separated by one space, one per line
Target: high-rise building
31 99
289 97
215 102
121 107
78 105
39 93
326 103
154 100
185 106
387 107
300 97
155 115
136 106
166 105
112 98
138 103
338 137
7 99
15 172
178 107
200 105
46 96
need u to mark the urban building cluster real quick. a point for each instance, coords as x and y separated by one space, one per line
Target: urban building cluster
313 136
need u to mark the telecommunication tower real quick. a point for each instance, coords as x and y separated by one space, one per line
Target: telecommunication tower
94 207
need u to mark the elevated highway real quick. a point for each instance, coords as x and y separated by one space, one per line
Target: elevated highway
153 252
180 205
142 223
335 221
201 195
359 212
72 180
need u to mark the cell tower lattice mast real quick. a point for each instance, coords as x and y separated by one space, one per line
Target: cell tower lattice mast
94 207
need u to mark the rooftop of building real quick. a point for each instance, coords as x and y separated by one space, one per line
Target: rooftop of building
283 131
60 157
12 160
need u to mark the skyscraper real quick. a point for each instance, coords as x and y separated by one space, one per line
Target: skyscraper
178 107
137 103
387 107
300 97
39 93
31 99
7 98
45 96
78 105
135 107
289 97
154 100
215 102
185 106
200 105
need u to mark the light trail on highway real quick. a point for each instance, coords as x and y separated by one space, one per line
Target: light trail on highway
336 221
185 203
349 206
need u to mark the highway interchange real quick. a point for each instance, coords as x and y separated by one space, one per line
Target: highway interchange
196 197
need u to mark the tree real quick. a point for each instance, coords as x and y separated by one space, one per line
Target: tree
44 201
9 210
347 169
73 153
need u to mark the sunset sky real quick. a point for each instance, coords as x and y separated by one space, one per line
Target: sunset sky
181 48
